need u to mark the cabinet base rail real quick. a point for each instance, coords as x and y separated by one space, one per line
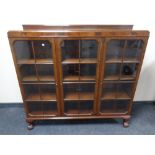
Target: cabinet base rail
31 120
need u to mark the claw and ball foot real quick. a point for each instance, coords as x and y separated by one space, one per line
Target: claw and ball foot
125 123
30 126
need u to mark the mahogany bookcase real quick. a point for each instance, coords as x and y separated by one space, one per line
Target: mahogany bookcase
78 71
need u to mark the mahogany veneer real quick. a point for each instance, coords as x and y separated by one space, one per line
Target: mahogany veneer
78 71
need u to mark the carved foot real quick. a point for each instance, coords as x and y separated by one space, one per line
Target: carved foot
125 123
30 126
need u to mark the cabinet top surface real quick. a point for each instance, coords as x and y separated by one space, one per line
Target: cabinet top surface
77 31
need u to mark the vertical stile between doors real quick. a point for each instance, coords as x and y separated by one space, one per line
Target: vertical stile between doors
101 72
56 60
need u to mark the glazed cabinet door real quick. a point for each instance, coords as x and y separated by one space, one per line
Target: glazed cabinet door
120 69
79 64
35 65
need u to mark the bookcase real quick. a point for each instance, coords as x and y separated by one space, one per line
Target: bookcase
78 71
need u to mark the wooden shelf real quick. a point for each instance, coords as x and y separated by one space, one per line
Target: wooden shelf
78 112
115 95
119 60
79 96
70 61
86 96
44 61
81 61
48 96
114 111
114 60
130 60
127 77
116 77
50 112
33 97
81 78
43 113
42 97
87 78
71 78
29 78
34 78
88 61
35 61
46 78
111 77
26 61
36 113
71 96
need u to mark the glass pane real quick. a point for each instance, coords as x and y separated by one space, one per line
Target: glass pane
129 71
78 108
133 50
73 50
112 71
86 107
88 72
45 72
28 72
70 50
35 108
42 49
48 92
31 92
70 72
109 91
135 44
124 90
114 50
117 91
50 108
23 51
86 91
71 91
27 51
89 49
119 106
71 107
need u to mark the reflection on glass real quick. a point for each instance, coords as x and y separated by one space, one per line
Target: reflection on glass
111 106
78 108
112 72
28 73
31 51
45 72
23 51
117 90
50 108
78 49
114 50
35 109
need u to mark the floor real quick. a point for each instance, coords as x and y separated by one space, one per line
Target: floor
12 122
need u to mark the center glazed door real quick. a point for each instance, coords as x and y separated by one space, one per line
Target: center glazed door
78 69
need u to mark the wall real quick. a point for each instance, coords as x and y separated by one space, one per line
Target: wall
15 13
